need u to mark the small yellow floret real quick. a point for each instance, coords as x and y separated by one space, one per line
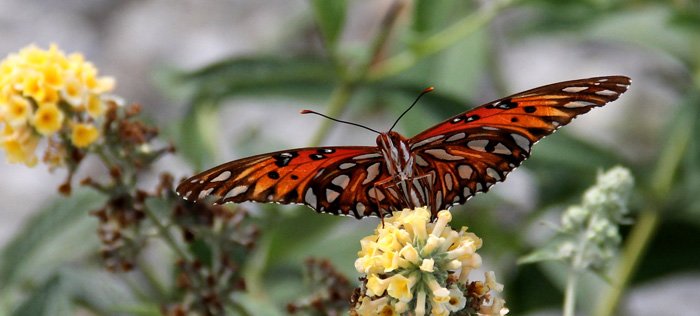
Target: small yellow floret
84 134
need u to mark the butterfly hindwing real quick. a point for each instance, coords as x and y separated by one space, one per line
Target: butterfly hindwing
473 150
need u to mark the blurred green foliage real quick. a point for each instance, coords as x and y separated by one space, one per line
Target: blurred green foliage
50 267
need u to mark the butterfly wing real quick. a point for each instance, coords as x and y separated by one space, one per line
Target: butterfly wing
471 151
337 180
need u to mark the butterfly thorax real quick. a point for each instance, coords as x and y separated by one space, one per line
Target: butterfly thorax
397 155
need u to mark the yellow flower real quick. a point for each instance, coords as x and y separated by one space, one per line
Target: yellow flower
427 265
48 119
17 110
95 106
53 76
19 146
376 285
412 261
33 56
400 288
457 301
84 134
73 92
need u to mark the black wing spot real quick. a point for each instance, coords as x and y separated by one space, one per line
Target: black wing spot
507 104
317 156
514 119
530 109
325 150
283 159
294 177
472 118
457 119
490 146
273 175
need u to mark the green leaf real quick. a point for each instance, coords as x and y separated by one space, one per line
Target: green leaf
199 133
330 16
255 76
53 236
96 288
51 299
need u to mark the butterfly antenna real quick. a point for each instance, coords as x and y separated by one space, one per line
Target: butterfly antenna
428 89
339 121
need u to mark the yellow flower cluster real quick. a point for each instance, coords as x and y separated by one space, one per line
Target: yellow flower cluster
44 93
410 261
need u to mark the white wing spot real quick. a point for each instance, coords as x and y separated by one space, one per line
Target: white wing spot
443 154
366 156
331 195
195 180
427 141
236 191
555 123
603 80
319 173
448 181
310 197
341 181
421 162
204 193
521 141
187 195
467 192
360 207
493 174
346 165
501 149
222 176
393 192
578 104
479 187
465 171
372 173
606 92
457 136
490 128
375 194
479 144
574 89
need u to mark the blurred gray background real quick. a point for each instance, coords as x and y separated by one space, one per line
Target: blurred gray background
131 40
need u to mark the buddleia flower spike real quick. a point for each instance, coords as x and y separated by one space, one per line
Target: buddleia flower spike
412 265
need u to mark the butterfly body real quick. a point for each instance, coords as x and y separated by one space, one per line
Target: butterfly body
443 166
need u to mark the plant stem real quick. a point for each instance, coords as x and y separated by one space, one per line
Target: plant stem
339 99
570 293
438 41
167 236
660 185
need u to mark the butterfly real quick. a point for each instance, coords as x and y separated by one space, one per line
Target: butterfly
442 166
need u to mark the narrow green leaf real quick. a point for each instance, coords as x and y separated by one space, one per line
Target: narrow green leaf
256 76
199 134
330 16
53 236
50 299
96 288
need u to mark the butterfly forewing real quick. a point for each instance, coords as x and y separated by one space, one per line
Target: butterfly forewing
338 180
473 150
